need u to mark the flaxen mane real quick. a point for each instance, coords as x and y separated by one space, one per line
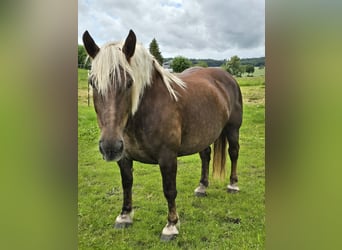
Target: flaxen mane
110 60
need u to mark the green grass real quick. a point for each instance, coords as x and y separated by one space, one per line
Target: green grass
257 79
206 223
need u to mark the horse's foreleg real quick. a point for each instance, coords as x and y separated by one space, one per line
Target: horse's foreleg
168 168
233 140
205 158
125 218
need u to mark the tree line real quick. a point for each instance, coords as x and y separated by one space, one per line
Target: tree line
234 65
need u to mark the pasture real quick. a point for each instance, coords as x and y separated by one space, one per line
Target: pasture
218 221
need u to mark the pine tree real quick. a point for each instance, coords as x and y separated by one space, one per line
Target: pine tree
154 50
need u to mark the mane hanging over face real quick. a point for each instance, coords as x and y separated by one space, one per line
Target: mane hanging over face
110 66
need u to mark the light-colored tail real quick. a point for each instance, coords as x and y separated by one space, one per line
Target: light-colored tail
220 155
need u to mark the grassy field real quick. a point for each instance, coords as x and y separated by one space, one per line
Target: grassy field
218 221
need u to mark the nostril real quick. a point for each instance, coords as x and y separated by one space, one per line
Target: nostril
108 146
119 145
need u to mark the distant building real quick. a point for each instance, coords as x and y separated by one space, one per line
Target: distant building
167 65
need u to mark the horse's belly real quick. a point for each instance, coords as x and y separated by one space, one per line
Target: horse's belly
194 148
197 139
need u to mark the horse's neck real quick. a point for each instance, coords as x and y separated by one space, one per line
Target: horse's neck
155 95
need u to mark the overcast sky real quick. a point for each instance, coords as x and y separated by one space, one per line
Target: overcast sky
216 29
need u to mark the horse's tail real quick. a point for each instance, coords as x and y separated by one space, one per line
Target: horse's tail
220 154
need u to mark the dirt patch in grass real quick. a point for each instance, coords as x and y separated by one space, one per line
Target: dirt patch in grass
253 94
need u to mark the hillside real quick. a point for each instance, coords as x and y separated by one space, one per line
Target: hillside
257 62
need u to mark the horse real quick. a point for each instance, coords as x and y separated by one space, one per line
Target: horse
147 114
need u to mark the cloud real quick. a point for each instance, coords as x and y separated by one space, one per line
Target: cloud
214 29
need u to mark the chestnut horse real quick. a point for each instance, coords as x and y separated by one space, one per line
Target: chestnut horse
150 115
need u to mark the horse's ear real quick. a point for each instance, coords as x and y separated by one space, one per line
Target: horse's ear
89 44
129 46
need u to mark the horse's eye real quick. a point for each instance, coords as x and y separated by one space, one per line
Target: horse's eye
129 83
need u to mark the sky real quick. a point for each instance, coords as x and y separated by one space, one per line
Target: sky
206 29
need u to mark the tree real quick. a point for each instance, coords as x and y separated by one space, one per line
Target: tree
180 63
250 70
242 69
202 64
233 66
154 50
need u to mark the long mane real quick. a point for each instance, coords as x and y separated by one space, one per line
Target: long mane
110 62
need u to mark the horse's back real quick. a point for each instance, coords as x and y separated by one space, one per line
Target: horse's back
211 74
216 79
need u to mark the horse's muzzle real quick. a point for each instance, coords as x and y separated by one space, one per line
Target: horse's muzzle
111 150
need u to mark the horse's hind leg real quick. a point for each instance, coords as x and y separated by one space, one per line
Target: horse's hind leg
233 150
205 158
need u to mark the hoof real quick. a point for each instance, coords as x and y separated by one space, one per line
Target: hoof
199 194
233 188
124 221
200 191
166 238
169 232
122 225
